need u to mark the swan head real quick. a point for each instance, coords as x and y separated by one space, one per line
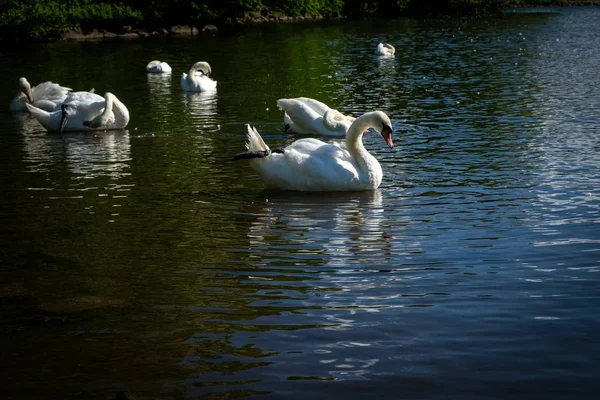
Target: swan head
383 125
203 67
25 88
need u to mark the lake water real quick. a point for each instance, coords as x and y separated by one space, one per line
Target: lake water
146 260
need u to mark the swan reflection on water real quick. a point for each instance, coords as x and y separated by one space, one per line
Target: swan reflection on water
160 86
202 108
332 229
87 155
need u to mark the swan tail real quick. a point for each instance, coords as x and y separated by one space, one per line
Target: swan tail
257 148
255 141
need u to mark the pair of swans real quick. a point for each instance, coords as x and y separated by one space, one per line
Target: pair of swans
313 165
84 111
304 115
385 50
46 96
198 79
158 67
58 108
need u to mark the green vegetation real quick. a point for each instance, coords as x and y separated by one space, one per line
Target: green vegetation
46 19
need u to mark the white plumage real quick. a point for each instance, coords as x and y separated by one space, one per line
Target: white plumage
309 116
84 111
198 79
385 49
158 67
47 96
314 165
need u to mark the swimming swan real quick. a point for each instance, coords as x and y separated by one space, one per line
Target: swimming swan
84 111
47 96
385 49
198 78
313 165
306 115
158 67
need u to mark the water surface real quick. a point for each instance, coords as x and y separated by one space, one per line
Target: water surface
145 259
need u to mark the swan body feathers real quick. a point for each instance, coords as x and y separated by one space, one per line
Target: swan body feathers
84 111
198 79
47 96
158 67
309 116
313 165
385 49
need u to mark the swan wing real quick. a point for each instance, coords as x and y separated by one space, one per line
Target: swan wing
304 118
308 165
316 105
206 84
197 83
158 67
49 90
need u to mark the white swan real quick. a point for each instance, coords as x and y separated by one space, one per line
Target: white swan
313 165
158 67
306 115
385 49
84 111
198 78
47 96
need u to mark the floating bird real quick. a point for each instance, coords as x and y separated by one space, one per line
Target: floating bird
46 96
198 78
158 67
385 49
84 111
313 165
305 115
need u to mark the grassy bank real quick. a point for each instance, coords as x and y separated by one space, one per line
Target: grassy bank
49 19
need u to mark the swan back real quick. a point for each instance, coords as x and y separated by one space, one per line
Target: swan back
299 114
336 123
385 49
304 115
316 105
159 67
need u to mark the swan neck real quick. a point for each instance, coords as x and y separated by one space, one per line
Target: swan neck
108 106
26 89
354 142
118 109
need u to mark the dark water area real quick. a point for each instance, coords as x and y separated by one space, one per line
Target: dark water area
144 259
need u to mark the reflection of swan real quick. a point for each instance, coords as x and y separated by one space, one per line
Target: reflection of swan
306 115
313 165
159 84
201 106
89 156
84 111
198 78
339 228
385 49
158 67
46 96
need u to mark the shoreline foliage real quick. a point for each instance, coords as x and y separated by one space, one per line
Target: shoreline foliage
48 19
